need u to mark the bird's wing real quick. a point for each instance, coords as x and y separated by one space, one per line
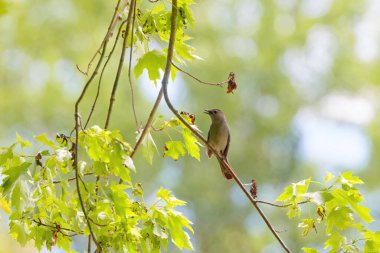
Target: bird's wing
209 152
225 152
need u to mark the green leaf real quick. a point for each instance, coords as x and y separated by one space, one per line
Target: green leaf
6 154
309 250
22 142
339 217
295 191
306 224
20 198
335 241
372 243
191 143
286 195
63 242
364 213
185 2
19 231
329 176
352 197
175 223
163 193
349 179
148 147
40 234
159 231
174 149
5 205
44 139
12 175
185 51
186 14
152 61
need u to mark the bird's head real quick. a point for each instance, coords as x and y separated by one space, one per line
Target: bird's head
215 114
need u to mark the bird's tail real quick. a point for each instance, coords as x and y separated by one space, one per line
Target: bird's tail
226 173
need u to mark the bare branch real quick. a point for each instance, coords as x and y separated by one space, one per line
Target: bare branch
101 73
109 34
129 69
120 66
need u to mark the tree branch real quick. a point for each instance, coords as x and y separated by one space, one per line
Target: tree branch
130 67
77 125
195 132
101 73
116 82
109 34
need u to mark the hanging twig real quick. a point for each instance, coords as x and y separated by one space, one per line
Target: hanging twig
116 82
148 122
147 125
101 73
130 67
109 34
195 132
282 206
197 79
77 125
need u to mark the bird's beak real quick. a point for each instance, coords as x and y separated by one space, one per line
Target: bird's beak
207 112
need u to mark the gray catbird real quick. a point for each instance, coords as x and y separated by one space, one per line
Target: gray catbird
219 137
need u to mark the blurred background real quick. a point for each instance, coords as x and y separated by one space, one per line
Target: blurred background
307 102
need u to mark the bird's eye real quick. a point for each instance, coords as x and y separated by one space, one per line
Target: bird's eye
214 112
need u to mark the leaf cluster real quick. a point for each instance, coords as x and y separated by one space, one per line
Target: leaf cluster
153 27
173 148
338 208
39 194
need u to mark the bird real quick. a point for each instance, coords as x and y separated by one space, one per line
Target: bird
219 137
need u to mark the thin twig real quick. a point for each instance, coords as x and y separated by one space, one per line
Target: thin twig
130 66
71 179
97 224
77 125
89 244
197 79
106 37
119 17
77 178
124 45
277 205
148 125
101 73
56 227
148 122
83 183
222 161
